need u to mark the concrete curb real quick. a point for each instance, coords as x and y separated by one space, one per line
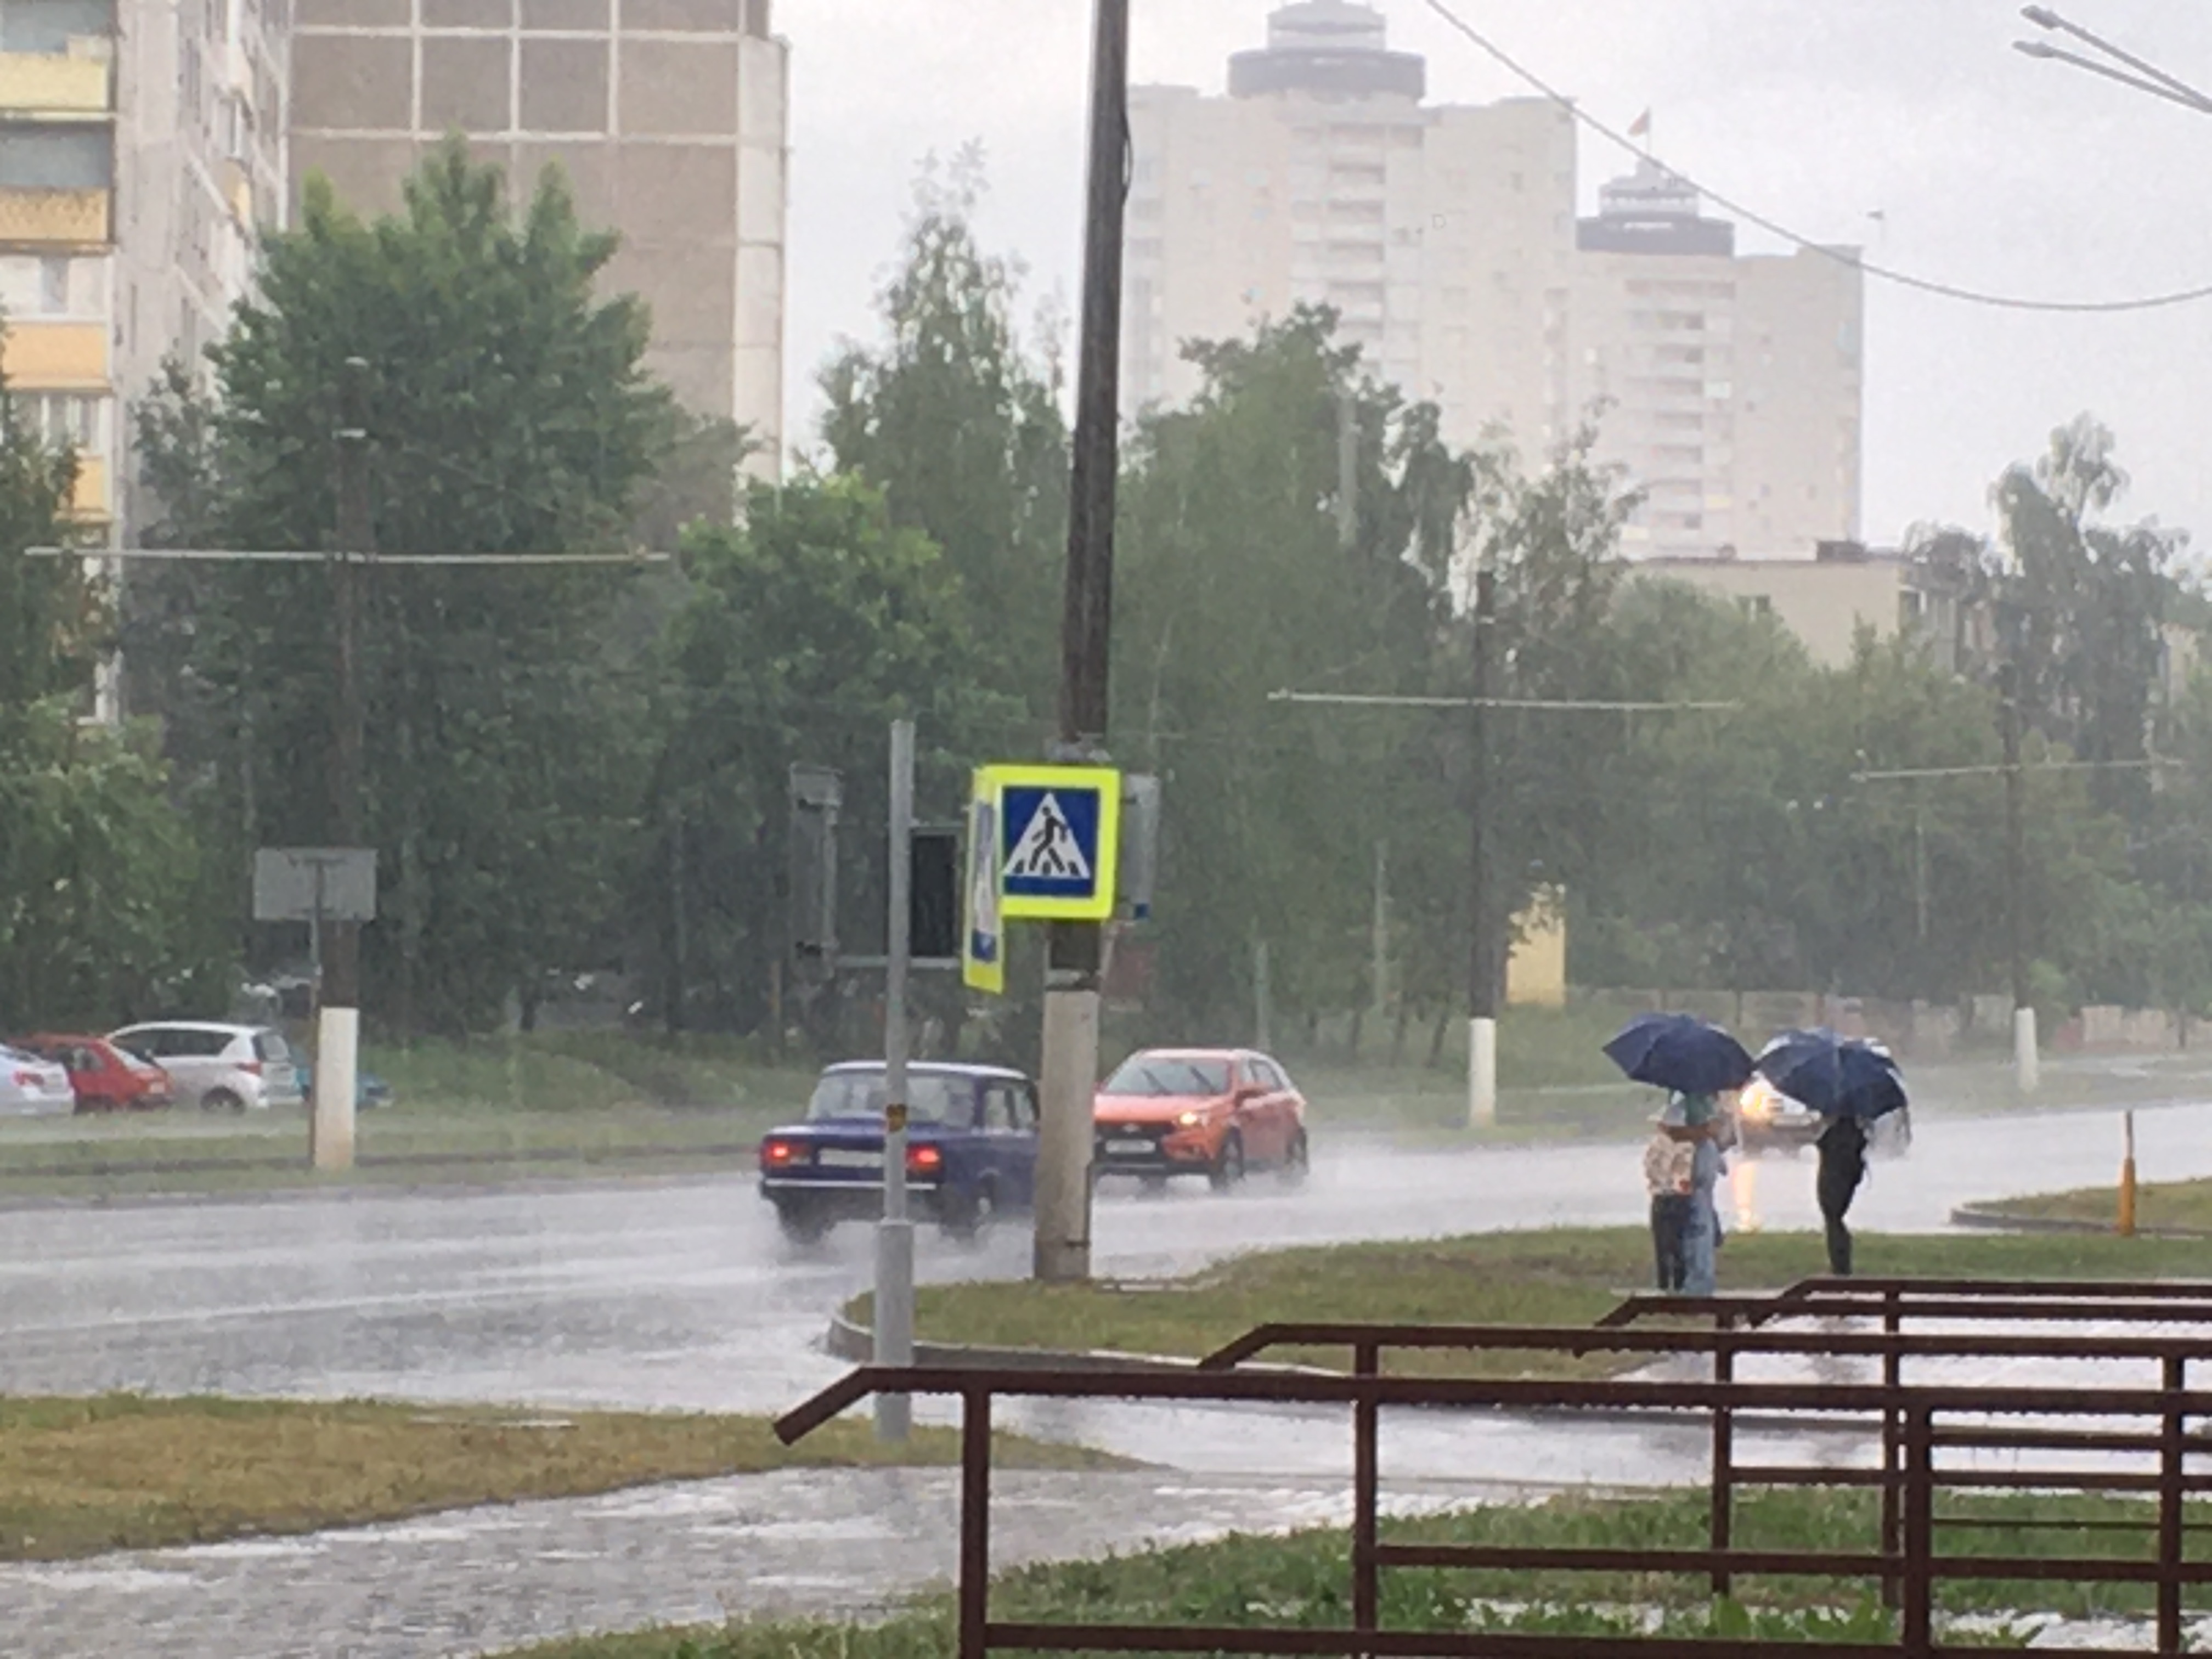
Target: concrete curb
1985 1218
854 1343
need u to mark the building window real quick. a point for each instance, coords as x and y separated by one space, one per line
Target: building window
1759 605
63 420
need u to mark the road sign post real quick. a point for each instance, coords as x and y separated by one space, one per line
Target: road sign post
894 1304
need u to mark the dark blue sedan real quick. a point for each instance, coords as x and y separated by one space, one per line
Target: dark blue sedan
971 1149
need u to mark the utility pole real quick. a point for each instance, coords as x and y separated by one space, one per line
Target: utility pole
1379 971
2027 1064
1482 957
1069 1070
337 1038
894 1305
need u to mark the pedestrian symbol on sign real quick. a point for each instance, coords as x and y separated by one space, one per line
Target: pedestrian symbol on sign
1048 850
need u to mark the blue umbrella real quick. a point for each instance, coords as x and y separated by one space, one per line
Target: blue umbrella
1834 1076
1680 1052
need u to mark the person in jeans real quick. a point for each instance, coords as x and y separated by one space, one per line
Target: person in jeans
1701 1239
1842 1148
1667 1170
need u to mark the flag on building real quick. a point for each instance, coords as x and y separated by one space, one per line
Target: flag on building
1641 126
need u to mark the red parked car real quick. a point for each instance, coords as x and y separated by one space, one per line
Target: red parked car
105 1078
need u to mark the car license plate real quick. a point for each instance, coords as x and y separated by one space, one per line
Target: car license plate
1139 1146
839 1157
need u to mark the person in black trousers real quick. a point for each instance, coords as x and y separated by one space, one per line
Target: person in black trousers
1843 1147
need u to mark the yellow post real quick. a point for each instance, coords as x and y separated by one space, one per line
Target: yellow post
2128 1181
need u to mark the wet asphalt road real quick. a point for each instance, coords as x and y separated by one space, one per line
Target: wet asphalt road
682 1295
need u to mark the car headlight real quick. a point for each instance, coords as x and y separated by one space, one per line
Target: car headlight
1190 1120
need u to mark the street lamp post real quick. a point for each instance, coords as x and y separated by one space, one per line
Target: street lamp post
2135 72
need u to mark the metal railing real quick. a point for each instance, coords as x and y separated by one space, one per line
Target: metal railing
1919 1422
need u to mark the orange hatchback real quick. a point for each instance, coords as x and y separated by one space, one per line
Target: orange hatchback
1211 1112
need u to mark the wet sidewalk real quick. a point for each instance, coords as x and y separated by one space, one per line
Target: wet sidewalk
844 1542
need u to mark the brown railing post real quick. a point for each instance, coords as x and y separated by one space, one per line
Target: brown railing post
2172 1495
1892 1378
1919 1566
974 1521
1723 1457
1366 1493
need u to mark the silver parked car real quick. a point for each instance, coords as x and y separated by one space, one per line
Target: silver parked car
31 1087
222 1068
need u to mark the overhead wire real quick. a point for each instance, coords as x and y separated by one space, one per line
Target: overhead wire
1774 227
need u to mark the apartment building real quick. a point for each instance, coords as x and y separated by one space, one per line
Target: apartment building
1442 236
667 116
1730 385
141 150
1446 237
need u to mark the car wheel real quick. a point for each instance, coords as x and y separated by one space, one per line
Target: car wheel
221 1100
1297 1161
803 1223
1228 1168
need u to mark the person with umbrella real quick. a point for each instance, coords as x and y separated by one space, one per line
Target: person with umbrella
1850 1082
1698 1062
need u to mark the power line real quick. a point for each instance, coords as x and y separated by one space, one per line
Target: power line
1550 704
2002 769
1751 215
219 556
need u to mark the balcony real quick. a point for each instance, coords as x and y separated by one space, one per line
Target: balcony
37 356
33 84
55 218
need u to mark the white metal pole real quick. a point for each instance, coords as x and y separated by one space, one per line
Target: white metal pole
894 1342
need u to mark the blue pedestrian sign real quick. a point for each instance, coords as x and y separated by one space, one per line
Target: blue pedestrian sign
1059 838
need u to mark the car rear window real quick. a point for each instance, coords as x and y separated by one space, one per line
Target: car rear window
1167 1075
931 1098
270 1047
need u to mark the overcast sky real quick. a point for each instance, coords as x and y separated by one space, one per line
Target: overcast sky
1992 172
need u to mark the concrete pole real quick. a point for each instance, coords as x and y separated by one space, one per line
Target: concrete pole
337 1038
894 1307
1069 1072
1481 975
2027 1061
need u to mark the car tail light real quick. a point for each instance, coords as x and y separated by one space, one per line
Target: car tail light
924 1160
778 1154
29 1080
252 1068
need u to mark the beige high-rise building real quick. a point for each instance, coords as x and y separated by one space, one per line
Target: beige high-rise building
1446 239
1442 236
668 116
1731 385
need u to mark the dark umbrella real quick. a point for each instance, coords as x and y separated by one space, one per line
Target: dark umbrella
1834 1076
1680 1052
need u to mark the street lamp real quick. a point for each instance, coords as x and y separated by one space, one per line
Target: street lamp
2146 77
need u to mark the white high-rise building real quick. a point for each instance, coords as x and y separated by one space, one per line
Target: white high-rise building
1442 236
1446 239
1731 386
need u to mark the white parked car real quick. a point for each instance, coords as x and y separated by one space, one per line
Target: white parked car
31 1087
221 1068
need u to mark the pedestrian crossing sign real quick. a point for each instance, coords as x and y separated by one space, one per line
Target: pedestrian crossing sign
1059 838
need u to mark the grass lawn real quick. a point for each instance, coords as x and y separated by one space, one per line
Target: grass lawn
1560 1276
468 1113
2186 1205
78 1476
1303 1581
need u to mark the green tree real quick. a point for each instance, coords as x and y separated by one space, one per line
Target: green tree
811 627
960 427
509 411
95 918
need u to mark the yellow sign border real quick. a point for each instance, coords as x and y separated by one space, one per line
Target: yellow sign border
1107 781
